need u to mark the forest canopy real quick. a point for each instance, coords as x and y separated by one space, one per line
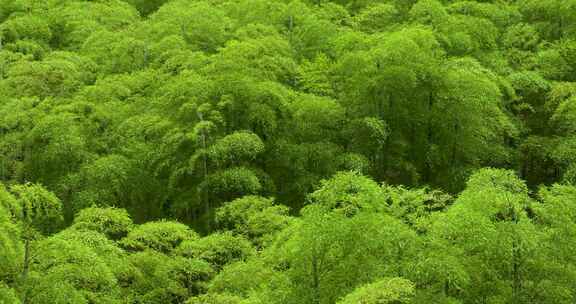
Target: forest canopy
287 151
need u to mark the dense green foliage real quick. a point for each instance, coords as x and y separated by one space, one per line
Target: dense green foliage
287 152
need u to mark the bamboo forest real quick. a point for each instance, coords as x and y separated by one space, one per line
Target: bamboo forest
288 151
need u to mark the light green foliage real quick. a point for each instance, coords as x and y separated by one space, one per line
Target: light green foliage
556 208
257 218
130 54
376 18
236 148
55 147
500 13
106 249
308 32
391 290
161 236
429 12
554 18
254 276
558 213
522 37
75 21
490 223
53 76
11 247
316 119
215 299
563 117
349 193
10 206
7 295
26 27
287 152
314 76
80 273
231 183
218 249
202 26
531 89
103 182
274 62
327 253
94 240
416 206
160 278
114 223
37 208
469 88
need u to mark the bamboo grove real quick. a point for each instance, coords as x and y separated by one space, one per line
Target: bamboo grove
287 152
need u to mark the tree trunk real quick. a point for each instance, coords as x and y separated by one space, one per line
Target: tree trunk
26 269
315 280
516 275
205 196
429 138
455 143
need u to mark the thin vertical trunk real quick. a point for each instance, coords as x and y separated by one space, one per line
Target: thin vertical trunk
25 152
290 27
399 255
385 152
516 267
68 208
1 66
26 269
455 142
315 280
146 56
560 23
429 138
183 33
205 174
413 142
516 274
205 196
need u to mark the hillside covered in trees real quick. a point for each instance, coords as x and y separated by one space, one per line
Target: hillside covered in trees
287 152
